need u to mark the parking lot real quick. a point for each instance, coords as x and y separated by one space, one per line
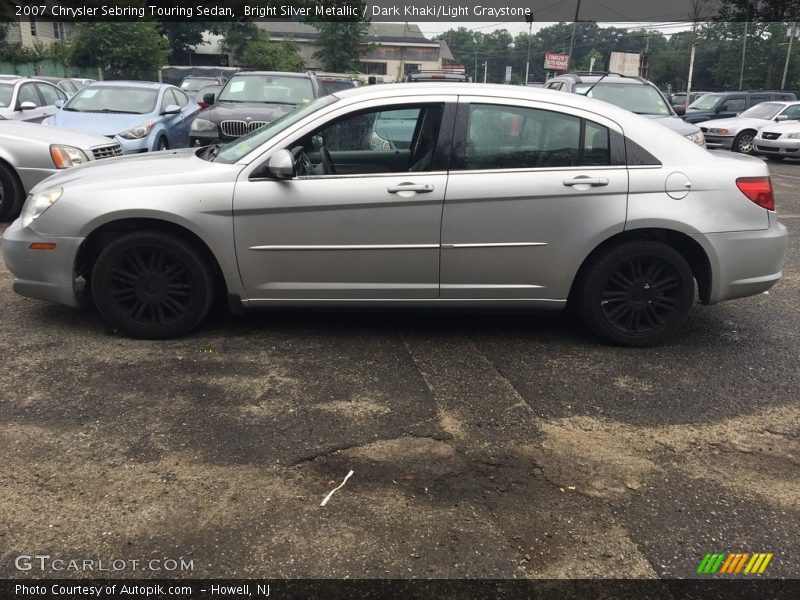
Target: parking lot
487 445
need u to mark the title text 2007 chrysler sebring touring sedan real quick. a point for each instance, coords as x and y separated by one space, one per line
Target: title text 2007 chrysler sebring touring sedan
428 194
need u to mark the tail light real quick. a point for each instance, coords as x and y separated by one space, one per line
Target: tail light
758 190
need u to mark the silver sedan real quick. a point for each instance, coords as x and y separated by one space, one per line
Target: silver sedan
30 153
488 196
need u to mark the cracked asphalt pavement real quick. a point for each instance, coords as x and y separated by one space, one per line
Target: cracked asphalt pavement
483 445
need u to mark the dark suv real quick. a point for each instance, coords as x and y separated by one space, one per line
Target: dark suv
249 100
723 105
635 94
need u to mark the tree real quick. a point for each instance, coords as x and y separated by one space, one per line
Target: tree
237 35
126 50
267 55
341 44
182 37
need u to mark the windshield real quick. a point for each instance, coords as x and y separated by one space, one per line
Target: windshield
331 86
765 110
230 153
132 100
641 99
193 84
269 89
705 102
5 94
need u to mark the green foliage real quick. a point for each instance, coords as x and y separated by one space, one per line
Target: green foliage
267 55
182 36
237 35
340 45
126 50
17 53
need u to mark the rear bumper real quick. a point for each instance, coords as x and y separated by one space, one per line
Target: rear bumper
42 274
747 262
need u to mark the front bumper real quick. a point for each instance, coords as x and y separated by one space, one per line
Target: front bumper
42 274
719 142
784 147
747 262
203 138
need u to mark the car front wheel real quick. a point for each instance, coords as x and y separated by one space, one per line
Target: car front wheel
11 194
636 293
151 285
744 142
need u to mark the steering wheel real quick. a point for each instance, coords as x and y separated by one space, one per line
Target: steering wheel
327 163
302 162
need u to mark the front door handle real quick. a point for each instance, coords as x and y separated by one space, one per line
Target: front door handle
590 181
422 188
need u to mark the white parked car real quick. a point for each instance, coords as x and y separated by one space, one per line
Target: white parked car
738 133
779 140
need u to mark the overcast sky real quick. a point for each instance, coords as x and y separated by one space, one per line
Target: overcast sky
431 29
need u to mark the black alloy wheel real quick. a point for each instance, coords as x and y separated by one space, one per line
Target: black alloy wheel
637 293
152 285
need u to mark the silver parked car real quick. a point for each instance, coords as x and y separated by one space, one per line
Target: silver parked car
738 133
30 153
24 99
777 141
506 196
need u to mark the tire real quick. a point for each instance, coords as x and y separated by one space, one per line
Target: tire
163 144
151 285
743 143
636 293
12 195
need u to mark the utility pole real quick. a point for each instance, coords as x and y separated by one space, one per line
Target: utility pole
574 27
744 42
696 10
788 54
475 71
485 67
529 19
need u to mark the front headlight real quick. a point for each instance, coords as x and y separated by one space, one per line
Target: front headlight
39 202
698 138
719 131
203 125
137 133
793 136
67 156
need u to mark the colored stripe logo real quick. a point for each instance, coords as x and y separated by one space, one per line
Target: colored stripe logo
734 563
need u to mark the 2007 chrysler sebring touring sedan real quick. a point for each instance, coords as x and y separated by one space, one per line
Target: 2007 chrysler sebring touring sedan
475 195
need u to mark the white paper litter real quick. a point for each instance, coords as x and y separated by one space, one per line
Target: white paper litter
340 486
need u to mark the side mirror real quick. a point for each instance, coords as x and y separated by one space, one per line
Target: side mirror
281 165
782 118
209 98
172 109
27 105
680 110
58 103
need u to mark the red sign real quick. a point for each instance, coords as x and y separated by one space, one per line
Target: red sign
556 62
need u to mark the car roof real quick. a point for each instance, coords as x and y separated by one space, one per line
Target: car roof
273 73
612 78
494 90
124 83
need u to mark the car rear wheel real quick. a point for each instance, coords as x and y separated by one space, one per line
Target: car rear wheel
11 194
636 293
151 285
744 142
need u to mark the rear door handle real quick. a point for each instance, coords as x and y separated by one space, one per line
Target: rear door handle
591 181
422 188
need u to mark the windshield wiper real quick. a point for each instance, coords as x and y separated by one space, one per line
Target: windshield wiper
118 112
